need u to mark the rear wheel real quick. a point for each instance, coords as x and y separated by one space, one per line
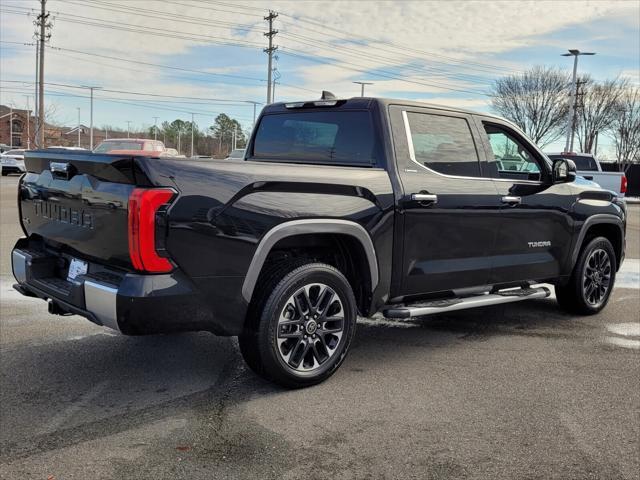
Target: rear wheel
301 332
591 282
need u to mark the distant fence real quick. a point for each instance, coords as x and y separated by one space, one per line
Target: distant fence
633 177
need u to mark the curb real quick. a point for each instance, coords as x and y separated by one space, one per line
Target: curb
632 200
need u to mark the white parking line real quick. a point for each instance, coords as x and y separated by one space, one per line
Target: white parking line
628 329
629 274
624 342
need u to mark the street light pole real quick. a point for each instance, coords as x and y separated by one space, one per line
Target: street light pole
192 135
128 127
11 127
28 122
571 124
91 116
79 126
155 128
362 84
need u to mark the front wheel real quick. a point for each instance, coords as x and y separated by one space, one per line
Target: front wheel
591 282
300 333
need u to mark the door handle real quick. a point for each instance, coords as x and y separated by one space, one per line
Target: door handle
512 200
424 197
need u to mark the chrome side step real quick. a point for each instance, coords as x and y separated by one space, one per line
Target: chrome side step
454 304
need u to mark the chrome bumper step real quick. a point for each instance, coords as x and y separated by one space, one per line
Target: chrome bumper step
455 304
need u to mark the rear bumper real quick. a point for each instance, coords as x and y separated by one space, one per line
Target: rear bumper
132 304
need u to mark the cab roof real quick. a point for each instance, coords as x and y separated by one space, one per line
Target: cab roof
359 103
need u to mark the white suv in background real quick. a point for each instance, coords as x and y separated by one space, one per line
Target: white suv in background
12 161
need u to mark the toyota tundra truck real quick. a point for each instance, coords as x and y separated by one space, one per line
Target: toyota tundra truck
339 208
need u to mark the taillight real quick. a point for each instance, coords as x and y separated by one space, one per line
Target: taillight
623 184
143 205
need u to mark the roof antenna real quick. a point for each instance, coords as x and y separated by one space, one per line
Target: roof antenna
326 95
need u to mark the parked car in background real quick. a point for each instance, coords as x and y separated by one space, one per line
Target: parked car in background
4 147
588 167
237 154
12 161
131 146
170 152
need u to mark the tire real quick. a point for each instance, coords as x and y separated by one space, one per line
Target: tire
299 332
4 173
592 279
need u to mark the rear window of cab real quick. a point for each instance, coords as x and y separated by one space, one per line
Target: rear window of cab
331 138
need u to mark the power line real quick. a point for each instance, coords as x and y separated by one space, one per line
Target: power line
403 48
379 58
159 95
59 50
367 71
365 56
153 106
160 15
127 27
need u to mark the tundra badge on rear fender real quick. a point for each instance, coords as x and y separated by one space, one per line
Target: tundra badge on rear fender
543 243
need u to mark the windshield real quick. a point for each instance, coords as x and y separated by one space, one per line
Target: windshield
14 152
105 147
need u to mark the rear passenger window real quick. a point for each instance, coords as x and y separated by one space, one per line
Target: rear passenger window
316 137
443 144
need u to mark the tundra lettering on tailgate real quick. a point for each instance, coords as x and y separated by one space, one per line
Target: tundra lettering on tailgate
60 213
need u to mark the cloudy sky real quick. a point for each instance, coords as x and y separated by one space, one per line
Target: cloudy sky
170 58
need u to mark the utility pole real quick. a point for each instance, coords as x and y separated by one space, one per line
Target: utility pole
43 23
269 50
28 122
254 114
128 127
91 115
192 135
574 118
155 128
574 90
362 84
35 98
179 134
79 126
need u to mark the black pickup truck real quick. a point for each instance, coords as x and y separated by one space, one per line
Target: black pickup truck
340 208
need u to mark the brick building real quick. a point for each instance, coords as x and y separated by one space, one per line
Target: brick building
23 132
19 118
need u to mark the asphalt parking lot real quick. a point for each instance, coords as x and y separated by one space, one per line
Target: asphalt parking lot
518 391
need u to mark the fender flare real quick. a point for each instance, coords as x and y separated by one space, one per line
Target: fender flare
308 226
588 223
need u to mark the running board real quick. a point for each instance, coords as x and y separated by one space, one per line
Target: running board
454 304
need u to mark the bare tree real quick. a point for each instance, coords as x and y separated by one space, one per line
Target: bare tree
625 129
535 100
598 104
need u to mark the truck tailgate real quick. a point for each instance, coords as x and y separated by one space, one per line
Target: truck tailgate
78 203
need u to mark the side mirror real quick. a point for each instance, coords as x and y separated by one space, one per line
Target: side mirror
564 170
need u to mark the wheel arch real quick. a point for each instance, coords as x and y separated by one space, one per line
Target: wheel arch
608 226
315 229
